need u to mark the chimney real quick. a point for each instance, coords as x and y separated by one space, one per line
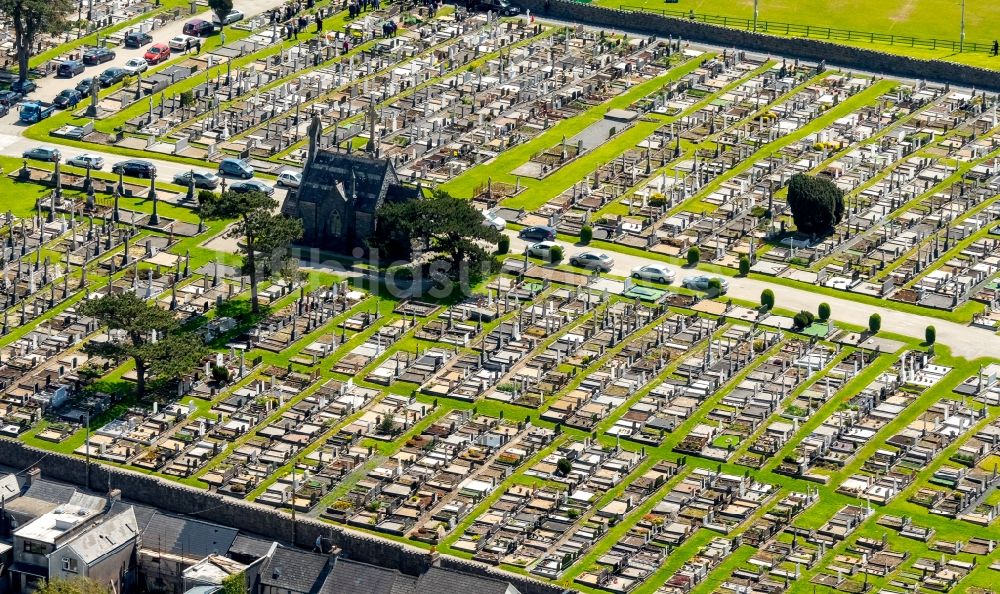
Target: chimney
33 475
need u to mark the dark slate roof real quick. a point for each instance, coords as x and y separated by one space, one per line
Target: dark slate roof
50 492
183 536
360 578
250 547
331 168
295 571
448 580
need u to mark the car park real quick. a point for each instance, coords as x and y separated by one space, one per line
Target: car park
158 52
702 281
235 168
135 65
251 185
97 55
202 179
658 273
290 179
593 261
112 76
542 249
538 233
43 153
135 168
69 69
86 161
137 39
67 99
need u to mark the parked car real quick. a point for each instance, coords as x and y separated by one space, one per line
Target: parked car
43 153
158 52
251 185
9 98
23 86
539 233
4 110
87 161
492 220
542 249
233 16
181 43
98 55
207 179
135 168
67 99
658 273
111 76
137 39
290 179
593 261
700 282
235 168
84 85
69 68
198 28
135 65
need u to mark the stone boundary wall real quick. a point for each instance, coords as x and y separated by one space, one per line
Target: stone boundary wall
808 49
244 515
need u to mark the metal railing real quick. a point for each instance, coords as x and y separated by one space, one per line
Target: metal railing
818 32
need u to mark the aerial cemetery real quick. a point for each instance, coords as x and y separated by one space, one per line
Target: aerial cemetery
600 427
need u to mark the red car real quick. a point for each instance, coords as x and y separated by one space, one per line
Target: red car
158 52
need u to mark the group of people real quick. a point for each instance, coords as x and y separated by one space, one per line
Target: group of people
389 28
356 7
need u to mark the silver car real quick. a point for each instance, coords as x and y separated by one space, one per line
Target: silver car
701 282
657 273
593 261
87 161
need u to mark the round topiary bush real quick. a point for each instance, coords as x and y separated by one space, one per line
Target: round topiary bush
767 298
503 244
586 234
744 266
874 323
824 311
556 254
693 256
930 335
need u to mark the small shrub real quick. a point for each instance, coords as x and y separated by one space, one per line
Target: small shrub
804 319
767 299
503 245
586 234
693 256
874 323
556 254
744 265
824 311
564 466
220 374
930 335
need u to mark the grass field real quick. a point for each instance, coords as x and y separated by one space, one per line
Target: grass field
938 19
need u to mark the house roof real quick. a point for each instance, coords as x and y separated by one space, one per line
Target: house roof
105 538
9 487
250 546
437 579
294 570
186 537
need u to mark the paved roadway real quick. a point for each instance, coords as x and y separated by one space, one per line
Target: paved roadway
964 341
